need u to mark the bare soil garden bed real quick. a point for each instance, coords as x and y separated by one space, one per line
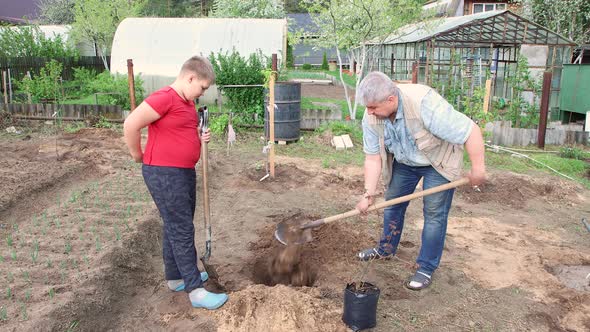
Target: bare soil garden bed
80 246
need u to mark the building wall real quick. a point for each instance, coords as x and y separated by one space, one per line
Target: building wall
468 5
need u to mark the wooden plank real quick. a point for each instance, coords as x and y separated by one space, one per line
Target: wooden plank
347 141
271 116
338 143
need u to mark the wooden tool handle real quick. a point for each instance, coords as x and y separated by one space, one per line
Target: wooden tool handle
390 202
204 166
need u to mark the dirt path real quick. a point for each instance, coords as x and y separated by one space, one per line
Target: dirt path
515 257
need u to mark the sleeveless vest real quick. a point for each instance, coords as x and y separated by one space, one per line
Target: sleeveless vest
446 158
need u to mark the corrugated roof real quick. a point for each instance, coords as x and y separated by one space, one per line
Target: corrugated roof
497 27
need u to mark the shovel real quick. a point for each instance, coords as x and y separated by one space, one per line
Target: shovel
287 233
203 124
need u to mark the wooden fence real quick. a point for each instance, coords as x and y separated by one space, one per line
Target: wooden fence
504 134
19 66
66 112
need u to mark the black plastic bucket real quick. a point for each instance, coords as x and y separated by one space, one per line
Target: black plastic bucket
360 306
287 112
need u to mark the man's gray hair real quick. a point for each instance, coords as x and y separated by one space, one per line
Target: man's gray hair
375 88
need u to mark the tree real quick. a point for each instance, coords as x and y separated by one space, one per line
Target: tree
351 25
97 21
56 11
29 41
177 8
570 18
248 8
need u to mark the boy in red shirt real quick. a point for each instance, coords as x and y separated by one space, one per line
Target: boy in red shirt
172 150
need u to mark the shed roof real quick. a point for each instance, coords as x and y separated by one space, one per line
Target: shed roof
493 27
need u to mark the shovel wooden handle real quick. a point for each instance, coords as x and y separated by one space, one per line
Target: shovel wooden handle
385 204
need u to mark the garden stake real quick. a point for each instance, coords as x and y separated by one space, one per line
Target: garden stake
210 269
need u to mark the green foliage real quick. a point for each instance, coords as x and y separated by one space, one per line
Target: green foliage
56 11
46 85
175 8
338 128
573 153
218 124
29 41
290 60
81 82
116 89
97 21
233 69
569 18
324 62
522 113
472 106
306 66
103 123
248 8
73 127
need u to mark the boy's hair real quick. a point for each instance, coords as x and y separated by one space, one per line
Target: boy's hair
200 66
375 88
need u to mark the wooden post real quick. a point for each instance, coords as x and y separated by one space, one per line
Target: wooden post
486 98
9 86
271 116
4 87
131 80
29 98
545 95
392 64
415 72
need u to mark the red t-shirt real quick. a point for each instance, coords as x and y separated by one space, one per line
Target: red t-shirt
173 139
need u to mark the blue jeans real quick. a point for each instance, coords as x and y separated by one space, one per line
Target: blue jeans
436 212
174 192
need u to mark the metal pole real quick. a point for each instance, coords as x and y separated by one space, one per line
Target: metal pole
131 80
546 94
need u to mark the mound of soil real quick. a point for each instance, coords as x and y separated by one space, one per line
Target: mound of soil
279 308
515 190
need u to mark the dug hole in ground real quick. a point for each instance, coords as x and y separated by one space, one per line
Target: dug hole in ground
81 246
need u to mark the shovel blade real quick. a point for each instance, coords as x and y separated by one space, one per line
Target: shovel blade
290 233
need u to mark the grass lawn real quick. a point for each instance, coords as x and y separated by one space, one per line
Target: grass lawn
349 80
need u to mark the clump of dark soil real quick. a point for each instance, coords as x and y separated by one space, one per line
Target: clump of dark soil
299 265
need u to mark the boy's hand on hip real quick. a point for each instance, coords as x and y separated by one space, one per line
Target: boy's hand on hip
137 157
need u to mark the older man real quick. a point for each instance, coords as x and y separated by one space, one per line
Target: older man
410 133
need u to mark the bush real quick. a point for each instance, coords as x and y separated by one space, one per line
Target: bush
306 66
289 55
573 153
80 85
46 85
325 62
116 89
233 69
218 124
